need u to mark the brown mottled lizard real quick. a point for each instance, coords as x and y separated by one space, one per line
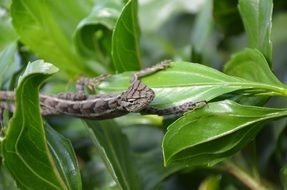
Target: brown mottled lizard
135 99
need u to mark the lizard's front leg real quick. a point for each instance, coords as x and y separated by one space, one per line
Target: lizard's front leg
187 106
150 70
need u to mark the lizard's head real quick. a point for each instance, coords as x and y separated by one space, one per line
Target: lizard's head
137 97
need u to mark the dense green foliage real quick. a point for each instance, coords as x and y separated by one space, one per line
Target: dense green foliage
230 53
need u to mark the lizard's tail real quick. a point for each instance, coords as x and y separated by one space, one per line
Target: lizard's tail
7 99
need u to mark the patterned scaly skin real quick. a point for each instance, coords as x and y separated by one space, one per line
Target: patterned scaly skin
135 99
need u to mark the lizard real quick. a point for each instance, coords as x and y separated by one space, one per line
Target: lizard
136 98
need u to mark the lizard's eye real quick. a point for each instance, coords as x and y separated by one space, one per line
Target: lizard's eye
132 101
134 104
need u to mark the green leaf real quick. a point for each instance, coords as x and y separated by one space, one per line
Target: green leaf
46 27
65 158
25 151
191 82
113 147
251 64
257 16
125 40
111 33
206 136
243 64
94 33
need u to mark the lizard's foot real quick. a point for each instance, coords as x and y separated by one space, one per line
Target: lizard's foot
149 70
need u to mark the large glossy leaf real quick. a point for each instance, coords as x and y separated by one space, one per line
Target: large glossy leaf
208 135
257 16
251 64
24 146
183 82
125 40
65 158
113 147
46 27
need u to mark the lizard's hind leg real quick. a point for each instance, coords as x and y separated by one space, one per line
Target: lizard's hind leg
89 83
81 84
150 70
138 96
